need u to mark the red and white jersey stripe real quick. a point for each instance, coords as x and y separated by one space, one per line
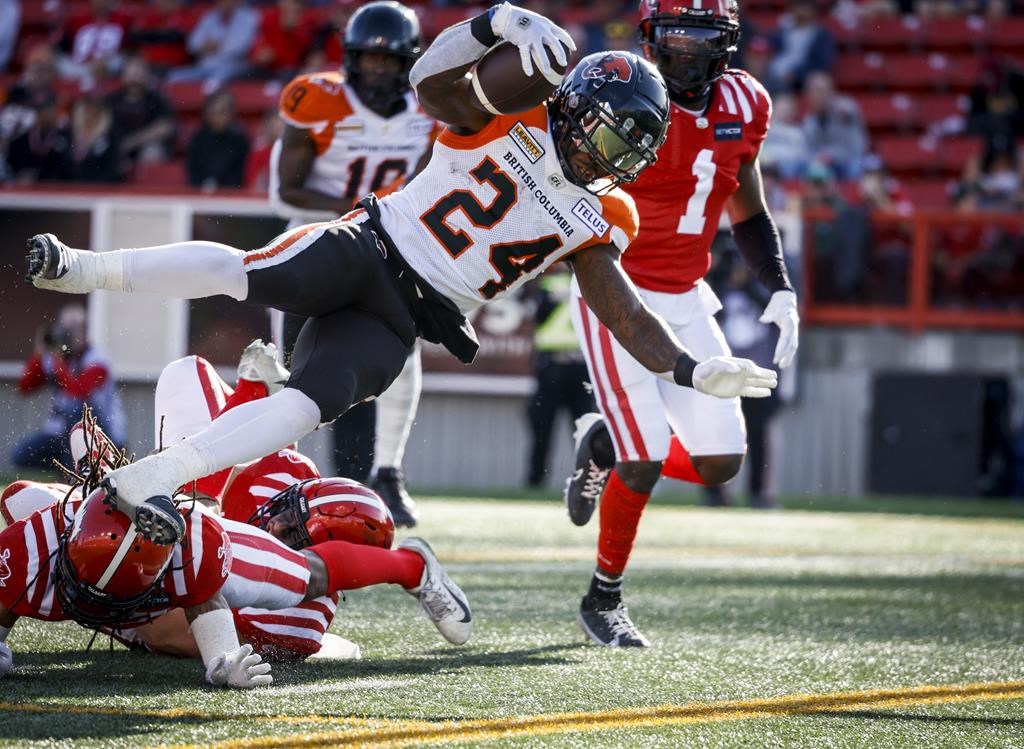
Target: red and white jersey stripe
286 634
264 572
250 485
21 498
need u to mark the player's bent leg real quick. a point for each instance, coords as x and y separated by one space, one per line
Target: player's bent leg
715 470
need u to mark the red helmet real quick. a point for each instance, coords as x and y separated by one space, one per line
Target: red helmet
332 509
105 571
691 42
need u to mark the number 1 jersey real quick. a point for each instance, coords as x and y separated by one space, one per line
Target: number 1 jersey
494 208
680 199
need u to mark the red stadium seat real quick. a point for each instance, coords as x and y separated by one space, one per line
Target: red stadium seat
906 155
888 111
954 153
932 109
186 96
1006 34
861 71
932 71
926 193
896 32
967 33
255 97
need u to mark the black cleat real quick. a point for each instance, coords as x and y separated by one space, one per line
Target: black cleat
47 258
389 483
583 489
606 621
156 519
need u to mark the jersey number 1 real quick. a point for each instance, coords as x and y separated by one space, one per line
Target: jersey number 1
692 222
510 259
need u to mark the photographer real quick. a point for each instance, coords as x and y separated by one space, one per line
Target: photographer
63 357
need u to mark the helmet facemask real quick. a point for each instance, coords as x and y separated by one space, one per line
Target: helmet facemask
385 92
284 517
691 53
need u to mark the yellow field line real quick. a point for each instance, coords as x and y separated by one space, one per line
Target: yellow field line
448 732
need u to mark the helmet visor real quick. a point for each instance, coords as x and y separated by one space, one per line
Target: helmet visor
692 41
611 148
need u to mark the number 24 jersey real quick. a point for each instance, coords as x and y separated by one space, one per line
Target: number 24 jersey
680 199
494 208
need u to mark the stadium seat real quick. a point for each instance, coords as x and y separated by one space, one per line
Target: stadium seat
1006 34
962 34
893 33
932 109
888 111
926 193
954 153
934 71
255 97
906 155
186 96
861 71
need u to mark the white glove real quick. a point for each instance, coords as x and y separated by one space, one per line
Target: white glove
6 660
241 669
532 32
781 310
728 376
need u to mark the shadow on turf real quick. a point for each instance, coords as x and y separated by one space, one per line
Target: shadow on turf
890 715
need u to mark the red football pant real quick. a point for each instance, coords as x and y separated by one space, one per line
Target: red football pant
620 512
351 566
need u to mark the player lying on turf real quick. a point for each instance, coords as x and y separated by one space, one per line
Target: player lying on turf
84 560
189 393
502 198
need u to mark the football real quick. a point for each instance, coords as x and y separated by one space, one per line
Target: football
501 85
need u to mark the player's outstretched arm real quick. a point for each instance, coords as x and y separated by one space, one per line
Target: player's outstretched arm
613 298
227 663
439 76
759 242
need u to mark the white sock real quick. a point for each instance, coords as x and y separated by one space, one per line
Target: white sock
396 412
184 270
253 429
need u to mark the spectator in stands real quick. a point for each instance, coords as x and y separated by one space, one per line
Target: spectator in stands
220 42
285 39
64 359
328 49
995 181
758 53
603 16
42 153
160 34
880 191
835 130
142 115
257 169
802 46
997 101
10 25
838 239
218 151
92 42
37 84
95 141
786 147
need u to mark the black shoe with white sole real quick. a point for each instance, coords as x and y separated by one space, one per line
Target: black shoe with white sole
606 621
583 489
156 519
47 258
389 483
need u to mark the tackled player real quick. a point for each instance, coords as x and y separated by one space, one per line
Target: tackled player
463 232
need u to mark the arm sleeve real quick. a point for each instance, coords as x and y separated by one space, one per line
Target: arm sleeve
454 47
760 245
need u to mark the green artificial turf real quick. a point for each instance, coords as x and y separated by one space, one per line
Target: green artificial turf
739 605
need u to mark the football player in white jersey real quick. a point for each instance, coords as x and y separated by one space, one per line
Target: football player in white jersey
348 133
502 198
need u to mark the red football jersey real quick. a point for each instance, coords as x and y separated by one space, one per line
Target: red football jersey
199 565
680 199
250 485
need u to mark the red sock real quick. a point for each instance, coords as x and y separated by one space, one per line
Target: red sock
351 566
621 508
678 464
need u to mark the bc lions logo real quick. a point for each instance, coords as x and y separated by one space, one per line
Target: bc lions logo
5 570
224 554
610 68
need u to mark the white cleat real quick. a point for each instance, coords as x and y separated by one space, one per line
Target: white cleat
442 600
260 363
54 266
143 492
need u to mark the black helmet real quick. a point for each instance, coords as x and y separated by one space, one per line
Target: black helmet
613 106
691 42
387 27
